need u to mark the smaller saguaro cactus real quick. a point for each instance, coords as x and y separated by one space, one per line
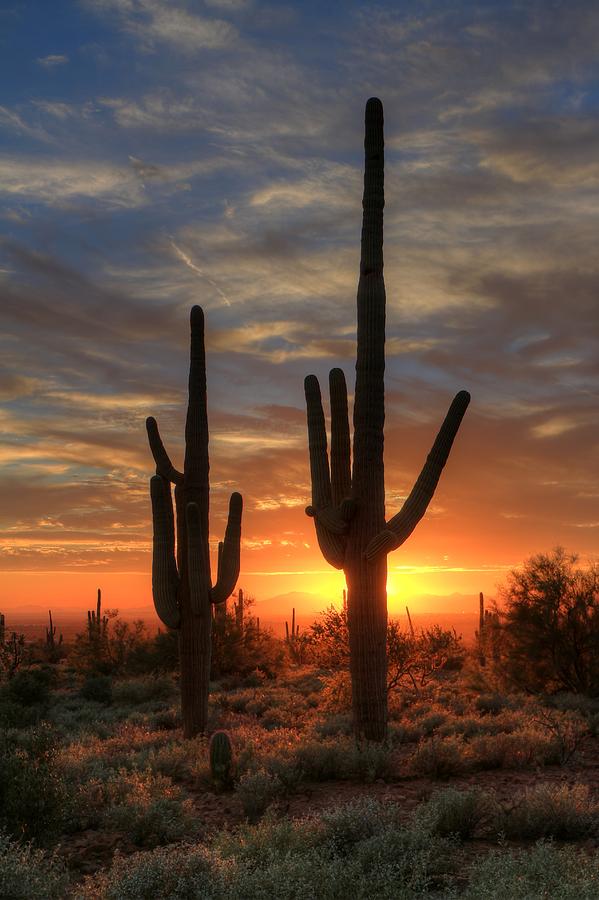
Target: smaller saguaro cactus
411 626
183 589
221 759
51 641
97 624
295 644
290 636
2 628
480 634
239 610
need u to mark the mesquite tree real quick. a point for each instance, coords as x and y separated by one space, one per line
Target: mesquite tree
181 580
348 504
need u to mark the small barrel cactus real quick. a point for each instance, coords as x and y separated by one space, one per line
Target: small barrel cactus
221 759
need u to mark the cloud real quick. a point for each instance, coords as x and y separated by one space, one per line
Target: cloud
160 22
53 60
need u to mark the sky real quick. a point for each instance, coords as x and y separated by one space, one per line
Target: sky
155 154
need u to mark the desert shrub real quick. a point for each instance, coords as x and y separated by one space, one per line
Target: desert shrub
177 872
520 750
438 758
410 658
360 849
432 723
167 719
491 704
336 693
34 800
30 687
549 810
455 812
338 759
147 806
568 731
155 655
537 874
241 647
340 724
29 874
550 625
14 655
97 688
151 824
257 789
143 690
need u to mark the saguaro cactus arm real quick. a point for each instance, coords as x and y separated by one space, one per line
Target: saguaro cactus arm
164 465
330 525
401 526
340 439
165 577
229 556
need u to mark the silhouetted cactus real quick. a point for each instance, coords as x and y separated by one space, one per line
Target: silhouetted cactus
97 624
348 505
51 641
182 584
480 634
221 759
239 611
2 628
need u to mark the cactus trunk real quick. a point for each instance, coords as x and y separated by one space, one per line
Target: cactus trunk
348 505
181 584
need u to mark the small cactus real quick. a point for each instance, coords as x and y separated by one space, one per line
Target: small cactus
221 759
239 611
51 641
97 624
2 628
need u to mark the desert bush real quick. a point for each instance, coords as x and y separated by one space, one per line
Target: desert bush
438 758
410 658
167 719
29 874
97 688
550 810
340 724
137 691
34 800
343 760
550 625
257 789
160 821
15 655
537 874
30 687
491 704
568 731
147 806
174 872
360 850
242 648
453 812
520 750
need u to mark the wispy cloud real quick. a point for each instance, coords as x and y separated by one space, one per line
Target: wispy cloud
52 60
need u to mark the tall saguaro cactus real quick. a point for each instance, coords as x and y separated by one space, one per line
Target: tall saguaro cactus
348 502
181 579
